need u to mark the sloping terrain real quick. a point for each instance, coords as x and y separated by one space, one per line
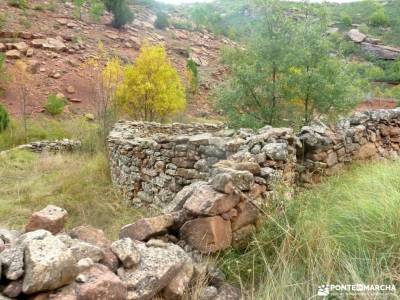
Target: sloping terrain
56 46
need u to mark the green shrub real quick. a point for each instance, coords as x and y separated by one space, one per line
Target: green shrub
347 20
3 20
55 105
4 119
379 18
162 21
193 75
96 10
23 4
121 11
3 72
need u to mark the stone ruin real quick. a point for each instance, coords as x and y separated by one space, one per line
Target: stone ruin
215 207
211 183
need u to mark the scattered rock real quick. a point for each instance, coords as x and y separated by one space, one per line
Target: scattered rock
207 234
179 284
14 54
71 90
51 218
205 201
49 264
126 251
157 267
100 283
146 228
12 260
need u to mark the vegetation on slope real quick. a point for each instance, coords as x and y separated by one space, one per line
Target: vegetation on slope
344 231
79 182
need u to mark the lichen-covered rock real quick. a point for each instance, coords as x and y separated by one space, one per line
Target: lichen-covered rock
97 237
12 260
51 218
207 234
49 264
157 267
205 201
100 283
126 251
179 284
81 250
146 228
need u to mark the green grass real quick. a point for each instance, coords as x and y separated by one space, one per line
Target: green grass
345 231
78 182
51 129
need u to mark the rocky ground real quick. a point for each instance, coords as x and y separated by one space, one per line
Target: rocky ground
55 48
45 262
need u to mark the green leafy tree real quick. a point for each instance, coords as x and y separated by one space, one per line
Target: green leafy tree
4 119
121 11
254 94
162 21
286 74
317 81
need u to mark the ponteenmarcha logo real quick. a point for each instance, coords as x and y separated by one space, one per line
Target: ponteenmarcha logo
328 289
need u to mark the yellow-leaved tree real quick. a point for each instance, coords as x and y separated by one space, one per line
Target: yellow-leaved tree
151 89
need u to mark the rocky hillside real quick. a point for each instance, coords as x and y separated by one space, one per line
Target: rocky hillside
55 46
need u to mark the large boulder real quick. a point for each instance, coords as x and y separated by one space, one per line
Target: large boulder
160 263
146 228
207 234
206 201
51 218
381 51
49 264
356 36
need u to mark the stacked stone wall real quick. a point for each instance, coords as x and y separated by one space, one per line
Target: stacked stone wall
363 136
213 185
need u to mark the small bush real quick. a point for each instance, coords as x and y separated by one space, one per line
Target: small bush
347 20
193 74
3 20
55 105
96 10
3 72
162 21
379 18
120 10
22 4
4 119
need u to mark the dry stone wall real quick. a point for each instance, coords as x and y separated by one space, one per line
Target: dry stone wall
213 183
367 135
153 162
